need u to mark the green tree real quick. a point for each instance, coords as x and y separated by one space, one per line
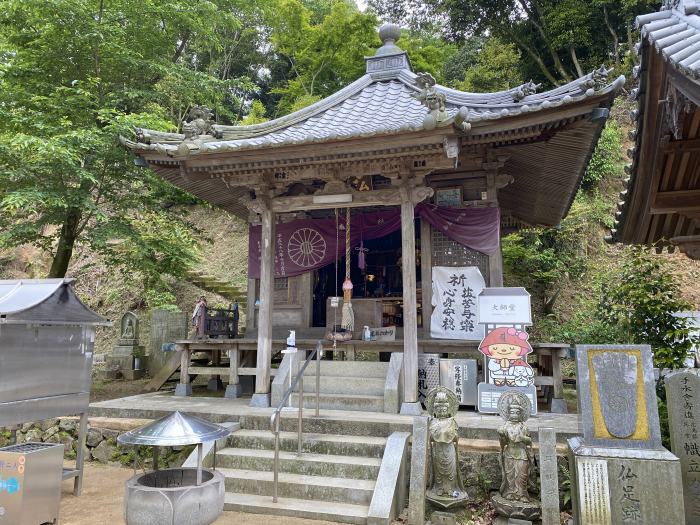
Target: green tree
73 77
497 68
324 52
641 303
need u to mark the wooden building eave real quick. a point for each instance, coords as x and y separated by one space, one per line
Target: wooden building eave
661 204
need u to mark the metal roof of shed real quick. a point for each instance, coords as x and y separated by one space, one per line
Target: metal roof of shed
45 301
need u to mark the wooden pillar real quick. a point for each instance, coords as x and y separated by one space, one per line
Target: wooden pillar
261 398
409 197
233 389
496 269
426 274
184 388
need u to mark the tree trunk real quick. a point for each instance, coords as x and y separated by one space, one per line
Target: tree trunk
574 58
533 18
536 57
66 243
616 40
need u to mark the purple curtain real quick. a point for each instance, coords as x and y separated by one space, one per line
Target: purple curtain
309 244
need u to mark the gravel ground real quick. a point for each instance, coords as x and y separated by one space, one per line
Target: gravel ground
103 491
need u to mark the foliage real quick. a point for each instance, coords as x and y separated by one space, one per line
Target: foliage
559 39
325 49
565 485
497 68
256 114
641 302
76 75
607 158
544 260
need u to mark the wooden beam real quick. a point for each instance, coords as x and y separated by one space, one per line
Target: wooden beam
683 146
387 197
679 201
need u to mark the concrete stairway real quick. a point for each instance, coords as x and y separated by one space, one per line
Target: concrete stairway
346 385
333 480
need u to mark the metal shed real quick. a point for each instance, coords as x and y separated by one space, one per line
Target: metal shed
46 343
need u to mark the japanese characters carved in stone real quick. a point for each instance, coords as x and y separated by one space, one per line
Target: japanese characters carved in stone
446 489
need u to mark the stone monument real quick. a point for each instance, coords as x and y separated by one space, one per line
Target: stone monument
128 353
445 487
621 474
683 402
513 499
549 476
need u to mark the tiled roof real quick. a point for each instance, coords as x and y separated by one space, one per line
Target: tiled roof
675 33
376 105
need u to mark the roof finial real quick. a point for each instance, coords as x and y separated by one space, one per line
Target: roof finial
389 34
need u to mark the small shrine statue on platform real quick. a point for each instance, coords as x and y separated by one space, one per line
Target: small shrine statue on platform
446 490
513 499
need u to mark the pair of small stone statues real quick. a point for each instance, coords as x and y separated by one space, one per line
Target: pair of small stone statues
445 486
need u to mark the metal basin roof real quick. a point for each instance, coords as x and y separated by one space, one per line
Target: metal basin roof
44 301
177 429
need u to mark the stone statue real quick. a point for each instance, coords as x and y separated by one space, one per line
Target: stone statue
446 488
129 327
529 88
128 330
513 499
431 98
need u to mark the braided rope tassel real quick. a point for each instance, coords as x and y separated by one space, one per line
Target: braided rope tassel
348 319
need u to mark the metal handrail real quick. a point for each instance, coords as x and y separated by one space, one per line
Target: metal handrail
275 417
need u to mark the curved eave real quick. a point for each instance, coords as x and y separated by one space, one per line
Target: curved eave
668 38
480 115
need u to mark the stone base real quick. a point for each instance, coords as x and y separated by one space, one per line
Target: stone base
215 384
132 375
653 476
183 390
559 406
233 391
110 374
411 409
447 502
260 400
500 520
516 509
120 362
442 518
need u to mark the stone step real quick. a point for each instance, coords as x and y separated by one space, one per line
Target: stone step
324 488
366 446
360 402
349 368
371 425
373 386
299 508
353 467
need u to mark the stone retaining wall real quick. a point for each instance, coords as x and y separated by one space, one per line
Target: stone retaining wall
101 441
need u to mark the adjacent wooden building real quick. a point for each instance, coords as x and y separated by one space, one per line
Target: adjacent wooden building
391 140
661 205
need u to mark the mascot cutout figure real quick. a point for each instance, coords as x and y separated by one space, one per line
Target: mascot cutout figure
507 349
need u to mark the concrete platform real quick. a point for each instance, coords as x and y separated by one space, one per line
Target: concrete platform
473 425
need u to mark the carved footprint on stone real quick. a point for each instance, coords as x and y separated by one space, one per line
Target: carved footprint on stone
616 380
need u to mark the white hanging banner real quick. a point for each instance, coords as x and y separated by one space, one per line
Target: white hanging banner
455 292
